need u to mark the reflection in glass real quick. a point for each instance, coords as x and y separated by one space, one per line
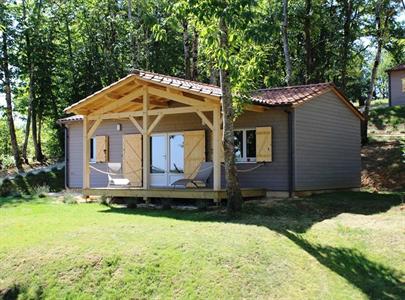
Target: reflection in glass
238 144
158 154
176 144
250 144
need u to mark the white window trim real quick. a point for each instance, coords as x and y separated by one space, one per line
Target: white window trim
245 159
93 159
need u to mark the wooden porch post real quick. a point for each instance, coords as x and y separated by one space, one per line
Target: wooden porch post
216 148
86 154
145 139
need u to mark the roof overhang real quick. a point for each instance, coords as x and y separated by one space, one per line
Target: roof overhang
127 94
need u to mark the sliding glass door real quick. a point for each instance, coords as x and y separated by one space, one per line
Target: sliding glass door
167 158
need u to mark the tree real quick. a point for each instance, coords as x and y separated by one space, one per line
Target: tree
383 14
228 45
284 29
7 88
234 195
308 41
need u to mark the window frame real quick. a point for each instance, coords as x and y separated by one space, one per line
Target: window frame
403 84
244 159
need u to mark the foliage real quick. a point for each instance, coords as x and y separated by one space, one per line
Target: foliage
66 50
345 243
69 198
41 191
34 184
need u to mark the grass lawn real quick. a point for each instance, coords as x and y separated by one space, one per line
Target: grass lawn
387 121
332 246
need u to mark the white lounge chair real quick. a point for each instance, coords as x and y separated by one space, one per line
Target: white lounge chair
115 175
204 172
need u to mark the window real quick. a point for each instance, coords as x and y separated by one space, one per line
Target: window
245 145
176 142
158 154
92 150
403 85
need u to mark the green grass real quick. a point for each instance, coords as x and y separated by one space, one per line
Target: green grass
333 246
388 117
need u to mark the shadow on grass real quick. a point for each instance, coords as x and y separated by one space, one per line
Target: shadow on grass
12 201
294 217
387 116
374 279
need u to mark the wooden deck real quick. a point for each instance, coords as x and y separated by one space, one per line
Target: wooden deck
190 193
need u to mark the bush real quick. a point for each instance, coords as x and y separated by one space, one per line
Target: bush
54 181
6 161
68 198
41 191
7 188
22 185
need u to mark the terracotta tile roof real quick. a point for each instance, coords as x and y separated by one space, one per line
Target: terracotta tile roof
290 95
184 84
397 68
70 119
281 96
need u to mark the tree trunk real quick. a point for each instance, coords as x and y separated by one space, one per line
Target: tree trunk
213 76
234 194
75 95
134 49
30 83
40 119
347 8
9 105
186 46
194 61
35 136
286 49
380 42
29 116
308 43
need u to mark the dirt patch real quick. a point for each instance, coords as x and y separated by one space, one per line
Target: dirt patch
383 166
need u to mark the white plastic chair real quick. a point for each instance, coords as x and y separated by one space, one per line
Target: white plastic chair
115 175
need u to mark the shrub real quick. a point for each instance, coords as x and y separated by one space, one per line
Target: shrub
22 185
7 188
68 198
41 191
55 181
6 161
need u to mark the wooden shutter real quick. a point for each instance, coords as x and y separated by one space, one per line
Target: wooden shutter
194 151
264 144
132 158
102 148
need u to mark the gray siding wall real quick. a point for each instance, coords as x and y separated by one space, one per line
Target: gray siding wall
397 96
271 175
327 145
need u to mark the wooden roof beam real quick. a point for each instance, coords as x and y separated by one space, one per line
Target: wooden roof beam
176 97
115 104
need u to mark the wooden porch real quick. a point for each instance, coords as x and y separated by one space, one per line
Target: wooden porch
144 99
189 193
